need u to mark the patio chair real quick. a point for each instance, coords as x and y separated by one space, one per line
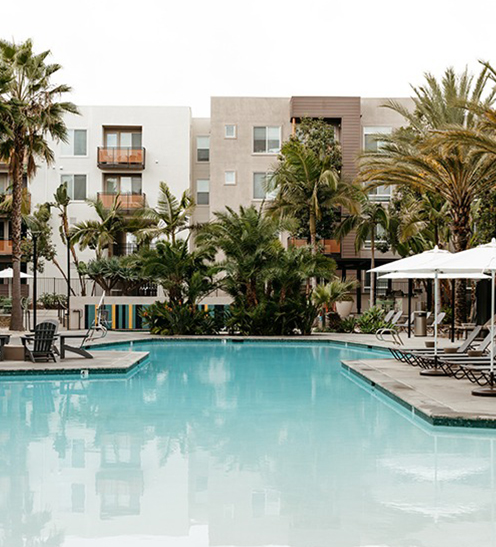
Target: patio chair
421 356
40 345
437 321
391 329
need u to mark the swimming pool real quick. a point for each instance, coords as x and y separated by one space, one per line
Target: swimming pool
236 444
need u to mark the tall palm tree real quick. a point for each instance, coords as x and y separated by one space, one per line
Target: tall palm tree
306 184
414 156
99 234
366 223
170 217
32 113
61 202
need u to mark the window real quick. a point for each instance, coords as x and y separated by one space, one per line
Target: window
381 193
230 131
230 177
202 148
371 140
4 183
202 192
123 138
76 186
76 144
261 187
380 236
122 184
266 140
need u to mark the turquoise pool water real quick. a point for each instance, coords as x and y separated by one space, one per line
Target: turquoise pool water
253 444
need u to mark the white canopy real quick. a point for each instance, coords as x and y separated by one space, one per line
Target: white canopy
431 275
425 259
8 273
477 260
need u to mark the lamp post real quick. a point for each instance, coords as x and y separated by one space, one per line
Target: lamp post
35 276
68 325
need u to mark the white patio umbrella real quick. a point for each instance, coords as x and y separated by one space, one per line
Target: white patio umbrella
406 264
8 273
436 277
476 260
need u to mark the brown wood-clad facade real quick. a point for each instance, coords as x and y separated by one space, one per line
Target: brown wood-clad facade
346 111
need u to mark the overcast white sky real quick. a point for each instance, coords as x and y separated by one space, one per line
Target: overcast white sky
162 52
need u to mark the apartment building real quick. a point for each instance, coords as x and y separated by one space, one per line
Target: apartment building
113 150
223 160
239 146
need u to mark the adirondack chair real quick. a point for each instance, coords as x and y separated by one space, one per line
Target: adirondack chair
40 345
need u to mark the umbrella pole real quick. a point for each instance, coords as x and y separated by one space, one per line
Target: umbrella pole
452 311
410 283
489 391
435 371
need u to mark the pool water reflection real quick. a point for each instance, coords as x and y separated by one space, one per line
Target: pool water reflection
235 444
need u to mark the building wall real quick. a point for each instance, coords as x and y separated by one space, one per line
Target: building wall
236 154
166 137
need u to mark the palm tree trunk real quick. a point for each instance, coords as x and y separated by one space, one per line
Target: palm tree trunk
16 322
65 225
312 225
372 266
461 238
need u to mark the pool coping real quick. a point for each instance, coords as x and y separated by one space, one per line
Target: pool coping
433 411
122 365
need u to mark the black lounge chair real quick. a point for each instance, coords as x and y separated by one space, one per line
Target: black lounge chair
40 345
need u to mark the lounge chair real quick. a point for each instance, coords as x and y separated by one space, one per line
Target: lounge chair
390 329
424 357
40 345
438 321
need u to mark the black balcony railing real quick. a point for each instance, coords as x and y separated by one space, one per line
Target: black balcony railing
121 158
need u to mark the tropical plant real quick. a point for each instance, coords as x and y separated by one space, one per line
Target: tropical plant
186 276
124 272
170 217
53 301
173 318
366 224
337 290
306 184
61 203
249 242
427 156
30 112
372 320
100 234
265 281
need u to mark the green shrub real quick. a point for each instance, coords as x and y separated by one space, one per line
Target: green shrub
52 301
170 319
372 320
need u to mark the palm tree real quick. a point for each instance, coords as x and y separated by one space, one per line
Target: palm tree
170 217
337 290
248 240
31 112
61 202
99 234
366 223
416 157
306 184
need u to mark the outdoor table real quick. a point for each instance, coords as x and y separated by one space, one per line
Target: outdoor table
66 347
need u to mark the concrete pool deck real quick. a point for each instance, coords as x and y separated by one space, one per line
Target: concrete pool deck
438 400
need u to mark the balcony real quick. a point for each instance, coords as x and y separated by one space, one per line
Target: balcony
128 202
5 246
121 158
328 246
